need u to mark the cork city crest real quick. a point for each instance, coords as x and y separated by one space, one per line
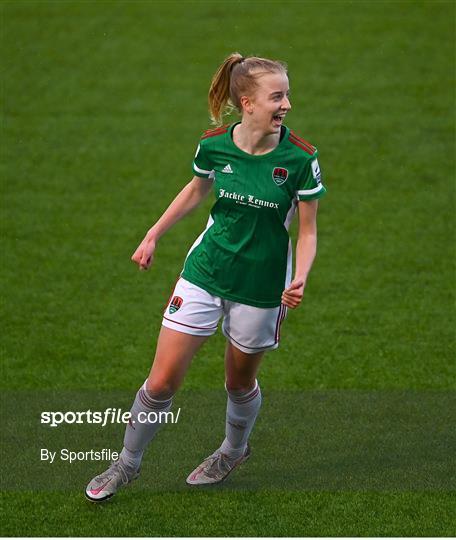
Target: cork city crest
279 175
175 304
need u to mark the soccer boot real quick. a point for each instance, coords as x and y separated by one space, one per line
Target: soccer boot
106 484
216 468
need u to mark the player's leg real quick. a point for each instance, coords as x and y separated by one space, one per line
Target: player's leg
250 332
190 318
244 402
243 399
173 356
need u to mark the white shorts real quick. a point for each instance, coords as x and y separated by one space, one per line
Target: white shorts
193 310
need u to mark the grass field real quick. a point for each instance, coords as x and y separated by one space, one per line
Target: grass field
103 104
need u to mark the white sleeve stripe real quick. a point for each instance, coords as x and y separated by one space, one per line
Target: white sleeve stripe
310 191
197 169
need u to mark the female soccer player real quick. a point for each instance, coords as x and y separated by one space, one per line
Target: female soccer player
239 268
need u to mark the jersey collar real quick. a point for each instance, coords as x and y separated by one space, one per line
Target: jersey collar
251 156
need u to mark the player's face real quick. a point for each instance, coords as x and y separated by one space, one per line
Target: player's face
270 103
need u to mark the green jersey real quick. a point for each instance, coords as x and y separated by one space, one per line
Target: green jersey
245 254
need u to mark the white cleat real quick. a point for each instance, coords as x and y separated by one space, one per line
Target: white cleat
106 484
215 468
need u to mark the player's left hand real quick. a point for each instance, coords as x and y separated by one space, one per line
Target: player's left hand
292 296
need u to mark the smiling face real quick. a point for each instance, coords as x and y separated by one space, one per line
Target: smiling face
269 104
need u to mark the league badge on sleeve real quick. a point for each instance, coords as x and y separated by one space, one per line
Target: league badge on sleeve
279 175
316 171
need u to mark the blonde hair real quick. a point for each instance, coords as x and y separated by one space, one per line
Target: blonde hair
237 76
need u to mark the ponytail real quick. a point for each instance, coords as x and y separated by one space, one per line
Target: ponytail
237 76
219 92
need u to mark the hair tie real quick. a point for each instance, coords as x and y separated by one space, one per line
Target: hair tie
237 62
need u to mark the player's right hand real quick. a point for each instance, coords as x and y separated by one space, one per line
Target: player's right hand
144 254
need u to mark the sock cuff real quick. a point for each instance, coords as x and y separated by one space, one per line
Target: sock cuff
244 397
152 403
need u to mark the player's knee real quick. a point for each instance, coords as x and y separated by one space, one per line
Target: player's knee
236 386
160 389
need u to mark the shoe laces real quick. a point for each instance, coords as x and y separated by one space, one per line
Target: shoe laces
115 468
217 463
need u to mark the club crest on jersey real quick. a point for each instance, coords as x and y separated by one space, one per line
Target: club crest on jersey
176 303
279 175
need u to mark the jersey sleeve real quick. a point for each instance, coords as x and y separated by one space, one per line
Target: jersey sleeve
309 184
201 164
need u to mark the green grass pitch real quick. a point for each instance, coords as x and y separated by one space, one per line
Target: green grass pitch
102 107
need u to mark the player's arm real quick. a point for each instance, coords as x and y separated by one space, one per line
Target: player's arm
188 199
306 249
